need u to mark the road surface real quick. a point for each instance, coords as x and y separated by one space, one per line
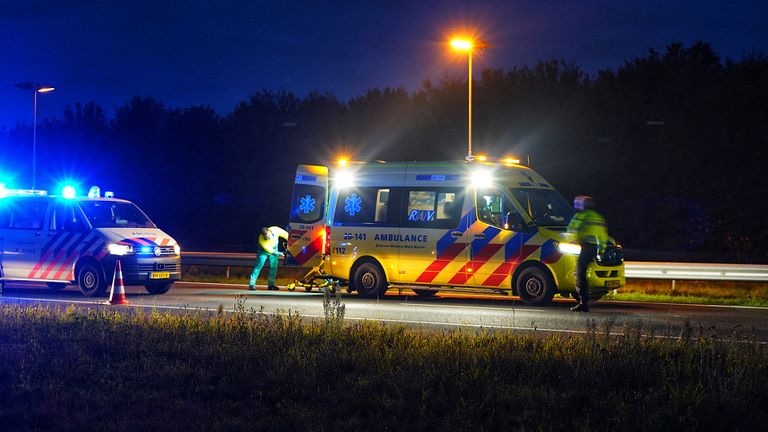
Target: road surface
442 311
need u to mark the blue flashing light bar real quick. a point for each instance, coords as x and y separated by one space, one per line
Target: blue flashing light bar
68 192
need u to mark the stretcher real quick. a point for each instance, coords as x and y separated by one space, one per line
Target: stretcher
316 278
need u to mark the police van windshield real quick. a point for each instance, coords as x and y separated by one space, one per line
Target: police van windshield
545 206
113 214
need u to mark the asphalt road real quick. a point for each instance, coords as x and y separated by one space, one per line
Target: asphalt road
442 311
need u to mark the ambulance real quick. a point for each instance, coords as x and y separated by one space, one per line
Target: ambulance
71 239
477 226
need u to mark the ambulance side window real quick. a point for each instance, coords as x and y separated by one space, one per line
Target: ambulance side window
433 208
27 214
367 206
495 208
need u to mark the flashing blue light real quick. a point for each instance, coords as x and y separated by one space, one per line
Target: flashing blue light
146 249
68 192
3 190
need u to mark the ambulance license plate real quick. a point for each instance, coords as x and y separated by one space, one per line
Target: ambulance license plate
612 284
159 275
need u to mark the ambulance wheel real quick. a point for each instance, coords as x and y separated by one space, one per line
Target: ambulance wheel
535 287
91 280
56 286
424 293
369 280
158 288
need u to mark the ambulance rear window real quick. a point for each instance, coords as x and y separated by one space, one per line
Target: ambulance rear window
308 203
113 214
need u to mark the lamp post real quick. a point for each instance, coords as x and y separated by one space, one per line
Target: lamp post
468 46
36 88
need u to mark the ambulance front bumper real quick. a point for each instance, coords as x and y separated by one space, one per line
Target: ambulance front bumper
146 270
601 279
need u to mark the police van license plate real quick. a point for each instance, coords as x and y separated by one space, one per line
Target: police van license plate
612 284
159 275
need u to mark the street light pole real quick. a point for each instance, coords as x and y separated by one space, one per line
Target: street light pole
36 88
469 108
468 46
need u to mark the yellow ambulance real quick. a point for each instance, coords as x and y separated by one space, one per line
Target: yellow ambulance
475 226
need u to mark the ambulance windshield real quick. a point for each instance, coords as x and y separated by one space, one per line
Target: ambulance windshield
113 214
545 206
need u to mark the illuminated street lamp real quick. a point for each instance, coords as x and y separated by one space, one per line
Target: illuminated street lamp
36 88
468 46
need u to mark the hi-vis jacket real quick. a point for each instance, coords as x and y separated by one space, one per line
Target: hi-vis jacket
589 227
269 245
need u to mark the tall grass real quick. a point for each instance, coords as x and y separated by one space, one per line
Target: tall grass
701 292
99 369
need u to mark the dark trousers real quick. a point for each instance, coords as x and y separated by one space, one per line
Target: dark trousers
587 255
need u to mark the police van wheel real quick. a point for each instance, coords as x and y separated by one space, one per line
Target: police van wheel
158 288
535 287
91 281
369 280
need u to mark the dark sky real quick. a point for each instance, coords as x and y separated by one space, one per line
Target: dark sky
217 52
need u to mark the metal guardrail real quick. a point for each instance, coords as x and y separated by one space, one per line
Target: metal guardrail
696 271
632 269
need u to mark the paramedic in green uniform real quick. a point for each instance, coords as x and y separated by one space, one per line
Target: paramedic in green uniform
268 241
592 234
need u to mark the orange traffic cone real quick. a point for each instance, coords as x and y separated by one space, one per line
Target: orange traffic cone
117 281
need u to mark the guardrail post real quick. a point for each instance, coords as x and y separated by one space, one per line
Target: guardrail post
673 287
227 272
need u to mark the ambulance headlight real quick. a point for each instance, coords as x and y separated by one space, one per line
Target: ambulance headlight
569 248
120 249
177 249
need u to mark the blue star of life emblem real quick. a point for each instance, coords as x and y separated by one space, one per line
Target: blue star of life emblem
307 204
353 204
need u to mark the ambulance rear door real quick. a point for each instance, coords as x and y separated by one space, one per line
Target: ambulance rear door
308 216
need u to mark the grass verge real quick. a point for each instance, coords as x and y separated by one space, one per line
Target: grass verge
100 369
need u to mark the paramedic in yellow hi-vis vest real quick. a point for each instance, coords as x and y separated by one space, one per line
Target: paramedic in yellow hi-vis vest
592 234
268 241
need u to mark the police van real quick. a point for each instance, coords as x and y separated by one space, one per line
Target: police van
70 239
476 226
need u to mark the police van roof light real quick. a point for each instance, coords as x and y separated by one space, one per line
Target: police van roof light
109 194
3 190
94 192
68 192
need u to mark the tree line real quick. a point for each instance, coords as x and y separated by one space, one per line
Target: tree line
672 145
